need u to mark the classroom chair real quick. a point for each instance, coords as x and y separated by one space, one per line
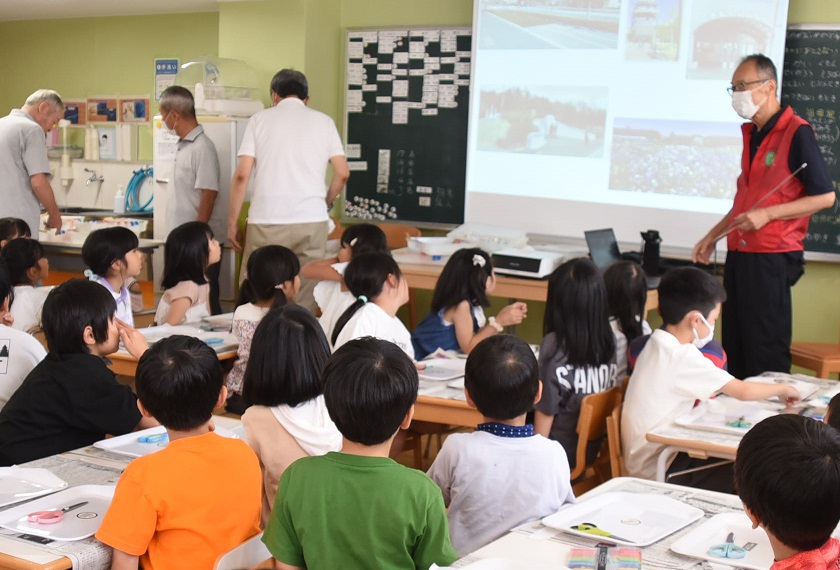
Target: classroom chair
250 554
592 426
614 442
821 357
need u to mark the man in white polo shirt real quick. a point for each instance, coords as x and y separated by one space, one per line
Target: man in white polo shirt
289 147
24 167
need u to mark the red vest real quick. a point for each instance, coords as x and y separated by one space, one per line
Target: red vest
767 169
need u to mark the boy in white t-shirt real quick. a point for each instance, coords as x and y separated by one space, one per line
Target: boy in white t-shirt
671 375
504 474
19 351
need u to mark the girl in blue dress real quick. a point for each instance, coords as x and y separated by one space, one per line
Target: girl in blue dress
457 320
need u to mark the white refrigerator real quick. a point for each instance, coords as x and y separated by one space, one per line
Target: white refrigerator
226 134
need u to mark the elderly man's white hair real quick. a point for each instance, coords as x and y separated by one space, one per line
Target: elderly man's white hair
45 95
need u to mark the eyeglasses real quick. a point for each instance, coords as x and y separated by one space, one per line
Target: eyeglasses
742 85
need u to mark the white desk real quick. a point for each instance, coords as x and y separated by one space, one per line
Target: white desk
85 466
703 444
536 547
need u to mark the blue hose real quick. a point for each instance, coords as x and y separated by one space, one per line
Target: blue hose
132 193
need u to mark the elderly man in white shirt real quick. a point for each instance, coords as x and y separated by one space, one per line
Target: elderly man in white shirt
289 147
24 167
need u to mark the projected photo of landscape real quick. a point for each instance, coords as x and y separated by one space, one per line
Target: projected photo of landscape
549 24
722 32
654 31
568 121
686 158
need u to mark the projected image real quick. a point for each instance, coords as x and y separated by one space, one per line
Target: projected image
568 121
654 32
685 158
722 32
548 24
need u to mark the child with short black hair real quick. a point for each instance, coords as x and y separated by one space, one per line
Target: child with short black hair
457 320
200 495
27 267
345 509
115 260
12 228
832 412
20 350
287 418
271 281
671 375
474 470
787 474
331 293
71 399
189 250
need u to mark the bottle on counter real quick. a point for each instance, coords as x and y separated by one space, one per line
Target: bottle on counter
119 201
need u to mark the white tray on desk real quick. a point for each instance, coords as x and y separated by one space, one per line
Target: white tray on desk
715 415
714 531
24 483
443 370
217 340
76 525
801 382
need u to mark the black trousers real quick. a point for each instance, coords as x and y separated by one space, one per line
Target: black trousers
720 478
757 319
212 274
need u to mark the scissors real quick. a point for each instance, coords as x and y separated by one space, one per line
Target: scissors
52 516
728 549
592 529
741 422
153 438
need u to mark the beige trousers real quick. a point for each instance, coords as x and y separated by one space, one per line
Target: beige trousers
307 241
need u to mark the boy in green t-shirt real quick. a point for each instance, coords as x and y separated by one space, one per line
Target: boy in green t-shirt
357 508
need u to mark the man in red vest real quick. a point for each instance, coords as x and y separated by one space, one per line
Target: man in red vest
765 228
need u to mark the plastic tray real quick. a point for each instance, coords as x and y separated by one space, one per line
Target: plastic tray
632 519
77 524
696 543
22 484
129 445
440 370
715 415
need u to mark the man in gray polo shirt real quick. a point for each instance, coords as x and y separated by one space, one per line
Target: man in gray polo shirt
24 167
195 195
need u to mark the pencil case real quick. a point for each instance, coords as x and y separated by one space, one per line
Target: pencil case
605 557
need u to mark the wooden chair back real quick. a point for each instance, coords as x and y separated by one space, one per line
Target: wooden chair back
592 423
614 441
397 234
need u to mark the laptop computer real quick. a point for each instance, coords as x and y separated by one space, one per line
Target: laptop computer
603 249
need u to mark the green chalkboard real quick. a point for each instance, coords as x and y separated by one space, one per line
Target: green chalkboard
811 85
406 109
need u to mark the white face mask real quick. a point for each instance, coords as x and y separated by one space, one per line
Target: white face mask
166 130
701 342
743 104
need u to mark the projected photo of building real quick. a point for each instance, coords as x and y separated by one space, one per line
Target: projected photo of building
686 158
722 32
567 121
549 24
654 31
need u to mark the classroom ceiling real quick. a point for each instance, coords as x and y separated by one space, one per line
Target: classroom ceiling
49 9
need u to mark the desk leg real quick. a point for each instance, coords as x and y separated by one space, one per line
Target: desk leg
663 461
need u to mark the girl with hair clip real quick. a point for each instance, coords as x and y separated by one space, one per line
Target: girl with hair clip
28 266
115 260
271 280
577 354
13 228
376 282
287 418
457 320
626 285
331 294
189 250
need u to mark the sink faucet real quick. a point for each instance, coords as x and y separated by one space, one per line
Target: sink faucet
93 177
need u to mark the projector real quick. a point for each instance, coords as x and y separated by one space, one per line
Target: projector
532 263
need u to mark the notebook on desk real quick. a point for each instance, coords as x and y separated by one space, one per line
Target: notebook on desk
603 249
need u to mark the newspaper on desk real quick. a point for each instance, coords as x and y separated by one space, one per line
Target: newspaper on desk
658 555
79 467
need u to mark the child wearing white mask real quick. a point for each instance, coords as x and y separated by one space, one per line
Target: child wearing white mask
671 375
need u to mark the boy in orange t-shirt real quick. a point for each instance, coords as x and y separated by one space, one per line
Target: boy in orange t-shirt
198 497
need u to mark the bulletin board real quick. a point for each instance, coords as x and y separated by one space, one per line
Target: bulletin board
406 109
811 85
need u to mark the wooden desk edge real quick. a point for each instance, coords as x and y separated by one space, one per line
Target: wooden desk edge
693 444
443 411
9 562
